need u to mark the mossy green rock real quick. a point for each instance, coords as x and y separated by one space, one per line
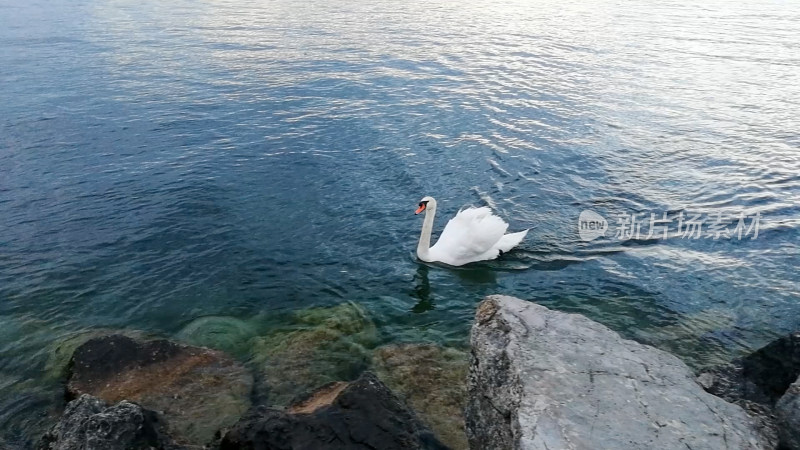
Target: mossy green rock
433 380
323 345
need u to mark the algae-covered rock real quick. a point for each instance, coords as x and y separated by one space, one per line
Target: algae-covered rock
324 345
433 380
347 318
198 390
225 333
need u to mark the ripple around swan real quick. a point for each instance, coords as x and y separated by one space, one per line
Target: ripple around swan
207 170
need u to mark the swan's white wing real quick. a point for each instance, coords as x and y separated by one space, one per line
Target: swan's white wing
470 236
510 240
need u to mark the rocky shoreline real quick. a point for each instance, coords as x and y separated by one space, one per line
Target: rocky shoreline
535 379
542 379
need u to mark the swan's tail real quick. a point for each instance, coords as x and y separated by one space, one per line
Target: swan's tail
511 240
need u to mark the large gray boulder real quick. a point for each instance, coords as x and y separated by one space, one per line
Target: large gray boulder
788 412
542 379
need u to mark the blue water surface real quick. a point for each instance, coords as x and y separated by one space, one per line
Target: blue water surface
164 161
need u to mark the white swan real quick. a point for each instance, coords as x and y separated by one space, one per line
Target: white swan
474 234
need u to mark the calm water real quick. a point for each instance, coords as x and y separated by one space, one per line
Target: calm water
163 161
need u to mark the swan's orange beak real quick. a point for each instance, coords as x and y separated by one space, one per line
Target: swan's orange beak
420 209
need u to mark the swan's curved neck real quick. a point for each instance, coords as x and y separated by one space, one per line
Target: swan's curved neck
423 248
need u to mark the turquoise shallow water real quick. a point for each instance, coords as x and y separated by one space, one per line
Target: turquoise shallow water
165 161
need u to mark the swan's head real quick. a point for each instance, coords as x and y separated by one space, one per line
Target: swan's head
423 204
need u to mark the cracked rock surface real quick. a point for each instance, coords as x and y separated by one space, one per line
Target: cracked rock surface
89 423
543 379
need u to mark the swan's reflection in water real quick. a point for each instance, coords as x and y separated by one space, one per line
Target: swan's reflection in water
477 275
469 276
422 290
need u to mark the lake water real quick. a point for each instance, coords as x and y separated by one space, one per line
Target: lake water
164 161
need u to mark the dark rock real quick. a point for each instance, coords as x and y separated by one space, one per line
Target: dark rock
774 367
728 381
363 414
544 379
762 376
198 390
60 351
88 423
757 381
787 411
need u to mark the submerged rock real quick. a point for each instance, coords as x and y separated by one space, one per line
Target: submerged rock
363 414
61 351
325 345
433 380
198 390
544 379
88 423
224 333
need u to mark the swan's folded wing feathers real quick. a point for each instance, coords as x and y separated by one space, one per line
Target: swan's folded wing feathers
509 241
472 232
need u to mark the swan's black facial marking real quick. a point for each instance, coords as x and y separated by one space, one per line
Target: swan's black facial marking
422 206
425 203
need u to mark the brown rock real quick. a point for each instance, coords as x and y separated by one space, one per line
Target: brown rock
321 398
198 390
